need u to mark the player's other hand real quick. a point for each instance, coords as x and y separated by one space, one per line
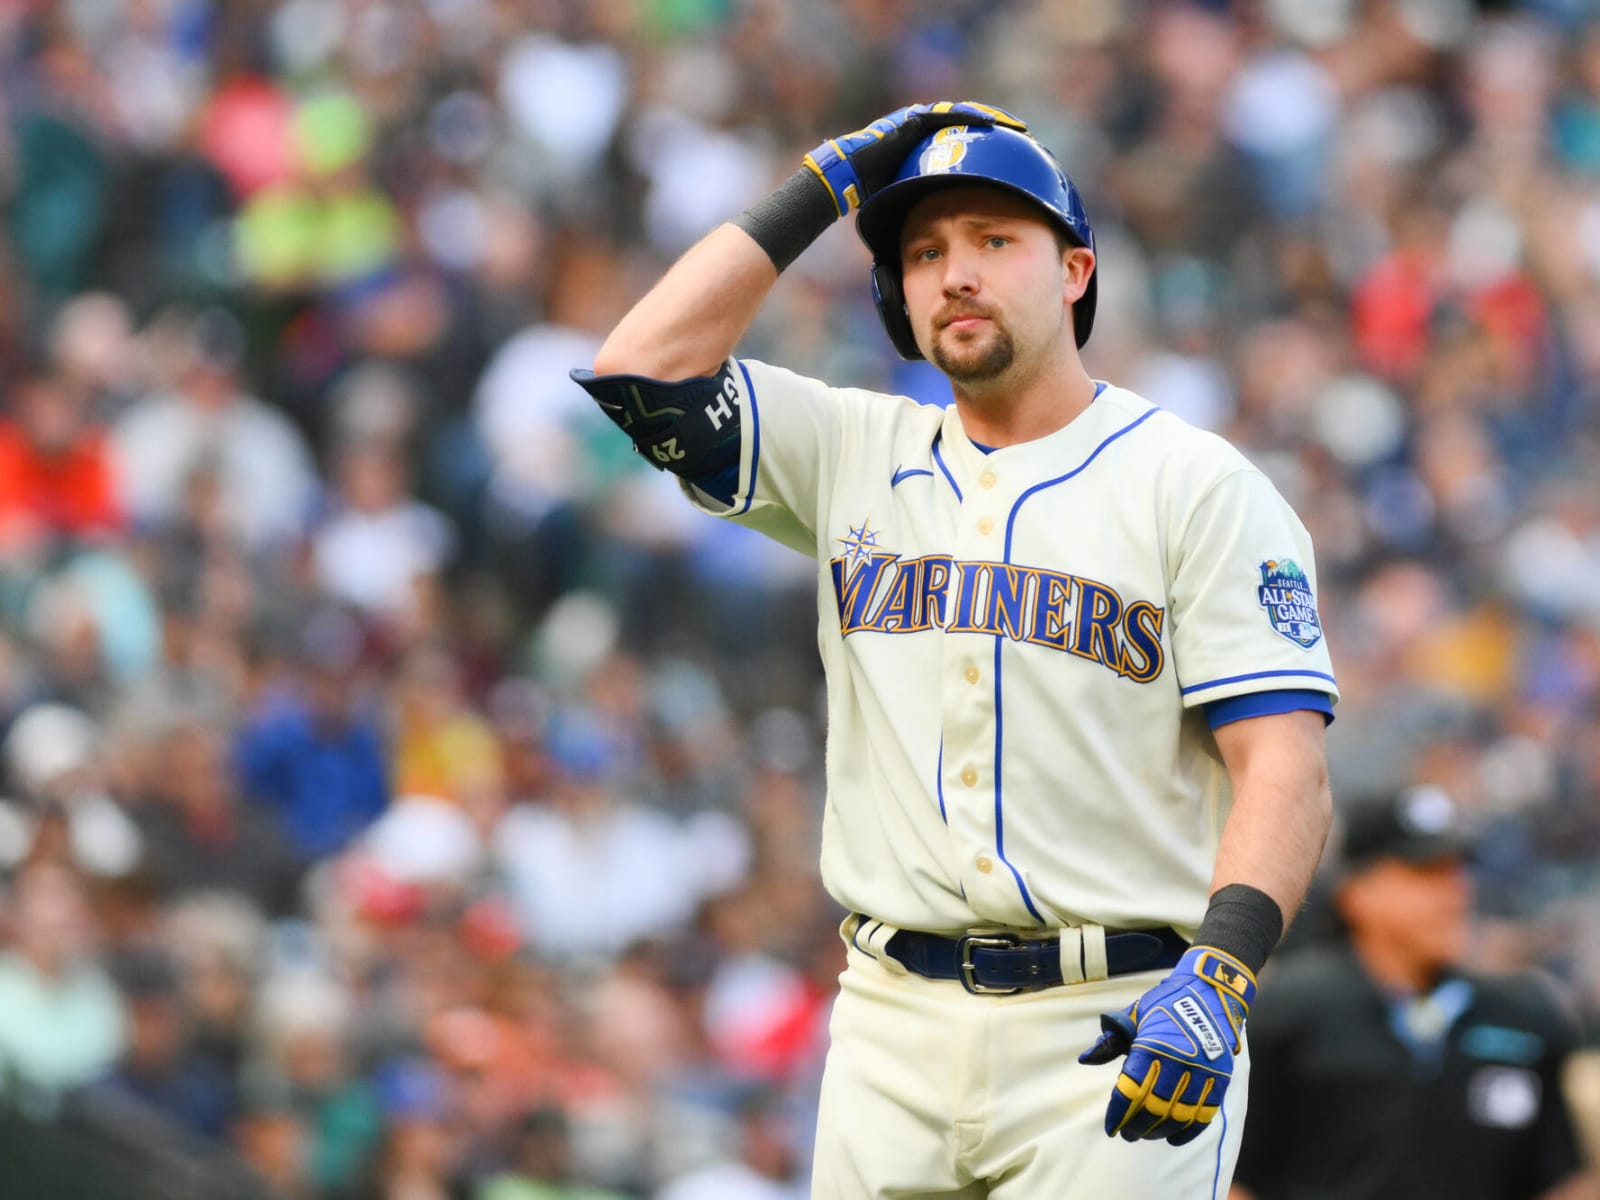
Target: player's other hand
1180 1038
855 165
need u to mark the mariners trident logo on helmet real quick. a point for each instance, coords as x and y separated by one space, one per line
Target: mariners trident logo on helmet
945 151
962 155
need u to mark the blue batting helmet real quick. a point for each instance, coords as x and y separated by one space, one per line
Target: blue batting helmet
962 155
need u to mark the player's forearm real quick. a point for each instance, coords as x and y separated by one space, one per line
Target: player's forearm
1282 806
690 321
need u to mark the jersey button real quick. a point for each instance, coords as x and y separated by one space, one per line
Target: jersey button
971 674
986 480
986 526
970 777
985 864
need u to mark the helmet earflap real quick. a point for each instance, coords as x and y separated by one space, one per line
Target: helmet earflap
890 297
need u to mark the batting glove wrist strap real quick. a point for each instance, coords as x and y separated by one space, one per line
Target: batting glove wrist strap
856 165
790 218
1243 921
1180 1039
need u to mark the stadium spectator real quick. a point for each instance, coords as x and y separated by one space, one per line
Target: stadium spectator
1381 1067
204 421
56 474
62 1020
312 751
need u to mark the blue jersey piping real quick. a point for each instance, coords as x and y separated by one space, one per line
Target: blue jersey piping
755 438
999 721
939 458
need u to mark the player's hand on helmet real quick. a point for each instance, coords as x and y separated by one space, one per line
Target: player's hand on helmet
1180 1039
855 165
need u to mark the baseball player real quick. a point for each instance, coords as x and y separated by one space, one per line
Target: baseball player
1076 679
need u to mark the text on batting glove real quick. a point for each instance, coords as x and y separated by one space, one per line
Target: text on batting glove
1180 1039
855 165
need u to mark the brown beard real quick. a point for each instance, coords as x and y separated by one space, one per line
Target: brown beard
991 363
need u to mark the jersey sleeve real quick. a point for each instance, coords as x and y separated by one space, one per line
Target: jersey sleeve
1243 596
791 434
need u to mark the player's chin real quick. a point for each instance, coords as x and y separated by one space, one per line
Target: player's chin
969 358
966 349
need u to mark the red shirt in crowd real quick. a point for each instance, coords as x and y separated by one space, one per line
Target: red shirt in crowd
70 491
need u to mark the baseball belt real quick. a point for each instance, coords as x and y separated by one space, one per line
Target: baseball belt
1002 963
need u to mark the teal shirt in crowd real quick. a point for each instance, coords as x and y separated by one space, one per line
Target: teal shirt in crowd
56 1033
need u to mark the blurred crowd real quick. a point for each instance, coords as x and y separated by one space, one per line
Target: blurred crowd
407 796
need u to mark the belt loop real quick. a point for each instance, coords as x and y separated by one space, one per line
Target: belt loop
872 937
1071 947
1094 953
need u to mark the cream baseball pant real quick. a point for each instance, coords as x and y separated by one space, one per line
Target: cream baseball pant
930 1090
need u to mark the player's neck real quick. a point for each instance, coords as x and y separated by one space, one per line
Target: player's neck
1008 412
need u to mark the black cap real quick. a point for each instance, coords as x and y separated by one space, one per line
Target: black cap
545 1119
146 974
1418 824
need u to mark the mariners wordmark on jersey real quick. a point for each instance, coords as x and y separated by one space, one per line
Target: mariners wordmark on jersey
879 592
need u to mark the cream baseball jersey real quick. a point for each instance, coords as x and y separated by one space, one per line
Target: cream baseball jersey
1019 646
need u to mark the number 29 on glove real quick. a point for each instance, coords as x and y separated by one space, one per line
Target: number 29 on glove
1180 1039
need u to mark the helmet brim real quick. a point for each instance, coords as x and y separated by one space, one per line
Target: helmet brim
883 216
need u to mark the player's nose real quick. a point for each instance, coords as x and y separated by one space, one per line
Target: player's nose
960 273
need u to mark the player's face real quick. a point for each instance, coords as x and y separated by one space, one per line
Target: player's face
986 283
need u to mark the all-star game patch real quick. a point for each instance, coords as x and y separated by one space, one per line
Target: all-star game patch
1285 593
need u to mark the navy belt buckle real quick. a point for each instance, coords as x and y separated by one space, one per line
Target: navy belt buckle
966 944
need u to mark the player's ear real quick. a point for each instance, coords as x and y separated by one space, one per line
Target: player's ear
1077 263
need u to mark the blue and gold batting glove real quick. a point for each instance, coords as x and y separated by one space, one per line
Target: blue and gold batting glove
1180 1038
855 165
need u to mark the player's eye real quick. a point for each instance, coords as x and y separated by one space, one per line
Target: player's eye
997 240
926 254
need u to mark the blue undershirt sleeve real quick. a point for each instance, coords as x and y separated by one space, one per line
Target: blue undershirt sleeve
1261 704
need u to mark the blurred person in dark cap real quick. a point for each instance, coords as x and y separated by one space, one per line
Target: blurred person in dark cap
542 1166
158 1066
312 753
419 1157
1388 1070
272 1138
199 835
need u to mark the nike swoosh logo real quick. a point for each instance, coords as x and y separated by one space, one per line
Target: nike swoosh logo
906 473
